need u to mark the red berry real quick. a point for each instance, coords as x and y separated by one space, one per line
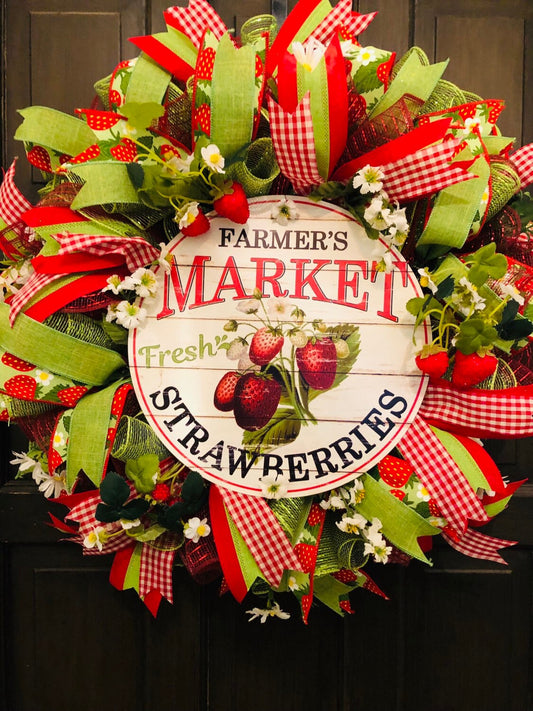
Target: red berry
161 492
233 205
471 369
256 400
398 493
16 363
266 344
394 471
198 227
224 397
317 363
306 555
433 364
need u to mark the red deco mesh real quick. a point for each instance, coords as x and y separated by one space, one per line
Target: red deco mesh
201 559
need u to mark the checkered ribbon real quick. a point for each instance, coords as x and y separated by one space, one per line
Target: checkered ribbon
156 569
441 476
342 14
12 201
262 534
356 24
294 143
502 414
478 545
424 172
523 162
83 513
137 252
195 19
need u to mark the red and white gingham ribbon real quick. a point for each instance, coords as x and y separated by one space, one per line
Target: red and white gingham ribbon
155 571
137 252
478 545
441 476
523 162
424 172
342 14
83 513
294 143
356 23
195 19
12 201
480 413
262 533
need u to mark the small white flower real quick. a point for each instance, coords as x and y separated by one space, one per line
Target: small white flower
368 180
349 49
273 487
195 529
43 377
213 158
308 55
422 493
352 524
251 306
366 55
380 551
114 284
284 211
426 281
95 538
58 440
127 524
265 613
176 164
144 282
24 462
279 308
510 290
52 485
129 315
377 215
111 314
292 584
165 259
356 491
188 215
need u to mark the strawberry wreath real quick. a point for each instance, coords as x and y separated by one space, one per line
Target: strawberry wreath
329 162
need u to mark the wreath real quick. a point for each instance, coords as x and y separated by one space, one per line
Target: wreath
173 143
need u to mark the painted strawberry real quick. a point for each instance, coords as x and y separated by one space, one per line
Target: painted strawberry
205 64
266 344
394 471
202 119
305 604
88 154
39 157
16 363
316 515
64 158
434 509
100 120
346 607
197 226
398 493
70 396
54 460
4 415
125 151
115 99
495 109
371 585
471 369
306 555
259 67
119 400
224 397
233 205
21 386
345 576
317 362
256 400
433 361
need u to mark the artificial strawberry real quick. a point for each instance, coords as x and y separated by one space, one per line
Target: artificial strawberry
266 344
100 120
70 396
394 471
224 397
233 205
317 362
125 151
16 363
205 64
88 154
196 226
21 386
433 361
40 158
256 400
471 369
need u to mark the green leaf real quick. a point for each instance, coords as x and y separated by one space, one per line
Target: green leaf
141 472
414 305
172 517
475 334
445 288
113 490
328 191
283 428
365 78
515 330
133 509
136 174
141 115
509 312
345 365
193 488
150 534
485 263
107 514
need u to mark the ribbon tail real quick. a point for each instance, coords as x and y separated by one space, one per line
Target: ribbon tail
478 545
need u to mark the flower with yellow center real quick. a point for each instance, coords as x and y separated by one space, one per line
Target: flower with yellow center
195 529
308 55
213 158
43 377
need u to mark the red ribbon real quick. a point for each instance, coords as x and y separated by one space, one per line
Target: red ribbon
164 56
227 555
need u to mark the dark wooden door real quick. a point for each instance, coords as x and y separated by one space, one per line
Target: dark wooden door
455 637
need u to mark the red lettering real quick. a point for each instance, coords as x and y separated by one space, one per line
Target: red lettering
196 276
301 281
352 283
261 278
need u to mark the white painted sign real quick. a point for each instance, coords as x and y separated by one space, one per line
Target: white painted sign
280 350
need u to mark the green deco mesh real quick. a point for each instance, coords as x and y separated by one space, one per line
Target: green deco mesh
338 549
80 326
505 183
135 438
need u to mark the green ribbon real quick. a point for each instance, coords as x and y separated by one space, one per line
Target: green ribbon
312 21
292 515
414 78
464 460
233 97
329 591
131 579
401 525
178 43
57 352
249 568
316 82
456 206
88 435
148 82
54 129
258 170
105 182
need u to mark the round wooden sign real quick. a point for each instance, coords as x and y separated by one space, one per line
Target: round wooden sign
280 349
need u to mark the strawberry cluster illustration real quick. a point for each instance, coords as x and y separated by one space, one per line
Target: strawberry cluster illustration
284 361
